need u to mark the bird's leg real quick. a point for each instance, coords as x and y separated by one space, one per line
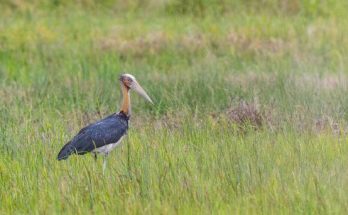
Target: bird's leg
104 162
95 156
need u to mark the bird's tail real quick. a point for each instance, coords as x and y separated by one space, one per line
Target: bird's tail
65 152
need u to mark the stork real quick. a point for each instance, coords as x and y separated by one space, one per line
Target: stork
103 136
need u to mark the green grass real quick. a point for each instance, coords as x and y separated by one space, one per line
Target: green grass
187 154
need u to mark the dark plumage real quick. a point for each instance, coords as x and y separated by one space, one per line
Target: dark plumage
106 131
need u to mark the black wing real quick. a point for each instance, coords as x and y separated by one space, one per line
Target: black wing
106 131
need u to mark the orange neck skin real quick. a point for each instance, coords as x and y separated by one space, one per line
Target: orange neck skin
125 108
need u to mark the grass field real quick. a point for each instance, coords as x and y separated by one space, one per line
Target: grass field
250 113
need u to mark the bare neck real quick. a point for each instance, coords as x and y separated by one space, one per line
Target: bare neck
126 107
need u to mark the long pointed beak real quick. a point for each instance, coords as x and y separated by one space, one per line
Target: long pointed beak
137 88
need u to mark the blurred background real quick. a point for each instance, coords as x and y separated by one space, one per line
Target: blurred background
203 56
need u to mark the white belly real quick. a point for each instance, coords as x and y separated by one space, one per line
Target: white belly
107 148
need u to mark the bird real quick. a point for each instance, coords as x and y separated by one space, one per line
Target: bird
104 135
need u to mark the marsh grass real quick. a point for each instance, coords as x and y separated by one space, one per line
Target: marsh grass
212 74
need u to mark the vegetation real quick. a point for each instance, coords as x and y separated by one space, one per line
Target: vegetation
250 111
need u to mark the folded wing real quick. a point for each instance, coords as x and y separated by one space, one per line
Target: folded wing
106 131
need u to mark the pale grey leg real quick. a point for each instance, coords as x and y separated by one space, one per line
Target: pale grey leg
104 162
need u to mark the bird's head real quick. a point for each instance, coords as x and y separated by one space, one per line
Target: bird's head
131 83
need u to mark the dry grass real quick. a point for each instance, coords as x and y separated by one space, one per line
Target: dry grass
157 42
329 125
320 82
151 44
245 114
262 46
